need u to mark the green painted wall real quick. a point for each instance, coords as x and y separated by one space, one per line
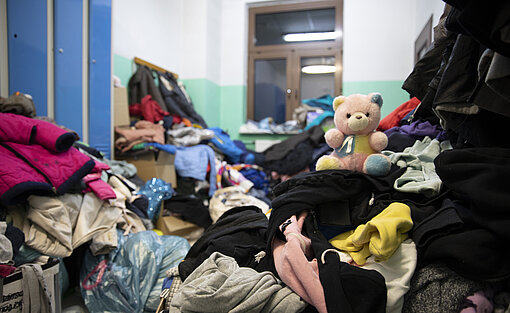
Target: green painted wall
392 92
122 68
205 96
232 109
225 106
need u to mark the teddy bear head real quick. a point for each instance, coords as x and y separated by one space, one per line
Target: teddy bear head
357 114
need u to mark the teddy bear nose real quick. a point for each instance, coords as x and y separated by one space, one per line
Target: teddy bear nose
358 117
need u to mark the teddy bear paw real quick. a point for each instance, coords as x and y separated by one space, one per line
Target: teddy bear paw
327 162
377 165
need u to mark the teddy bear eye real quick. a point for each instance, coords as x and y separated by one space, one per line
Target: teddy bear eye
348 115
368 114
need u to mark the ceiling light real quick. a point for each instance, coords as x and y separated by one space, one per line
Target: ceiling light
309 36
318 69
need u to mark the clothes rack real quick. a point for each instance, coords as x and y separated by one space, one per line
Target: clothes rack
153 66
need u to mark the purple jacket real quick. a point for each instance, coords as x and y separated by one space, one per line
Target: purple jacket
37 157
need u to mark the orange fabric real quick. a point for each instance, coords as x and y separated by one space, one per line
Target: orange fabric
186 122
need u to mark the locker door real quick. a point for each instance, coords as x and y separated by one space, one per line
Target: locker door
68 21
28 58
100 82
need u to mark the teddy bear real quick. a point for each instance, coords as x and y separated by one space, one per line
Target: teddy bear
356 143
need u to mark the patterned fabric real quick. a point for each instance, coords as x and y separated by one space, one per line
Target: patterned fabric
167 294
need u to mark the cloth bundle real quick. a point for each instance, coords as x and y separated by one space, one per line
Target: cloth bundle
380 237
144 131
220 285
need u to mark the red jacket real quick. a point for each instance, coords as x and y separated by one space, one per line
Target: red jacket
393 119
37 157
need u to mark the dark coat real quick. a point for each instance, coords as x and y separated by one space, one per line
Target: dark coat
176 101
238 233
141 84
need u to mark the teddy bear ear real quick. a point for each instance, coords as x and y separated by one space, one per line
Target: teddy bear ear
338 100
376 97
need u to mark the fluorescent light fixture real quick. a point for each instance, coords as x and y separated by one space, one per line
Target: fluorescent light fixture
309 36
318 69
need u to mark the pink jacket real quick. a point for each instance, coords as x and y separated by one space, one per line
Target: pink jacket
37 157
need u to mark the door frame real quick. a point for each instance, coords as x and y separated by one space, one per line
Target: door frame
300 6
293 52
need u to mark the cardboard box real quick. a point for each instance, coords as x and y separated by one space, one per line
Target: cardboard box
151 164
154 164
171 225
13 289
120 107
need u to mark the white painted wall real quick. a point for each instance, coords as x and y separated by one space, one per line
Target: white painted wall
151 30
425 8
183 36
193 46
234 51
234 45
214 40
378 39
208 38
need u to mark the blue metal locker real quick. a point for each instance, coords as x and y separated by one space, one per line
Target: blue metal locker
100 12
28 63
68 25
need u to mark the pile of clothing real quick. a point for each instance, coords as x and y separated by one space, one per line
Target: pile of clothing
58 198
411 241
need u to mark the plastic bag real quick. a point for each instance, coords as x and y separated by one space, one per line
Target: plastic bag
129 278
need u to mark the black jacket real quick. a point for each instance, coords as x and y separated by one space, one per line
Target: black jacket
336 197
176 101
238 233
141 84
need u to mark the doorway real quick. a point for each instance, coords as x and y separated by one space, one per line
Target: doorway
283 71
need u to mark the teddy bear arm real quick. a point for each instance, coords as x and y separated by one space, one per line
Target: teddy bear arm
378 140
334 138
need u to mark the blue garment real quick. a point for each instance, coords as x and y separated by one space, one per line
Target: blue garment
325 102
223 142
192 162
167 283
258 178
246 157
167 148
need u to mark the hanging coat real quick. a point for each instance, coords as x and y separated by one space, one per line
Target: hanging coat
142 84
